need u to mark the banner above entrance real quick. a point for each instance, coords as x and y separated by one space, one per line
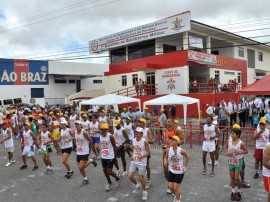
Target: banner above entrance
168 26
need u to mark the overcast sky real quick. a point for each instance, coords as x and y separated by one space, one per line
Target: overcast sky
25 33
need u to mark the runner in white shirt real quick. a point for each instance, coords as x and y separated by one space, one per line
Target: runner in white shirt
72 118
66 137
174 159
266 169
129 127
103 119
235 149
95 136
210 133
9 144
46 140
85 122
141 150
28 146
108 155
83 145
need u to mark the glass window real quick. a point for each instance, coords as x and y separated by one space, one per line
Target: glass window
251 58
260 56
97 81
124 80
71 81
8 102
17 100
60 81
118 55
134 78
141 50
239 77
168 48
37 92
217 74
241 52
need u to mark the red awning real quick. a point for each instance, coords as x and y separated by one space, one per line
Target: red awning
259 87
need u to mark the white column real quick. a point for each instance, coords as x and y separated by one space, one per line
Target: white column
185 41
208 44
126 53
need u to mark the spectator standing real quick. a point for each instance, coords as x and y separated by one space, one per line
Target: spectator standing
242 113
232 109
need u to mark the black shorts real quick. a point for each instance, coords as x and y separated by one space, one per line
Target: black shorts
82 157
67 150
175 178
107 163
120 150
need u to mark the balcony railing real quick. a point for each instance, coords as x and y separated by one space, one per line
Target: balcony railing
212 88
147 89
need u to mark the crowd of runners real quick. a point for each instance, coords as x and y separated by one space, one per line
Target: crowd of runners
121 136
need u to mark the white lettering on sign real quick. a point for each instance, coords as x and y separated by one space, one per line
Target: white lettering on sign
5 77
25 77
13 77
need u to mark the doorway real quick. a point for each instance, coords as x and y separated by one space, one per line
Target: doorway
151 81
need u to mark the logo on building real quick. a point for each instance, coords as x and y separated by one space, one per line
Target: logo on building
32 101
43 68
94 45
171 83
177 23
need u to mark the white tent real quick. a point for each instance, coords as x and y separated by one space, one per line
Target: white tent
175 99
111 99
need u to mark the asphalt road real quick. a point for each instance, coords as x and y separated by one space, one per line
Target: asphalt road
26 185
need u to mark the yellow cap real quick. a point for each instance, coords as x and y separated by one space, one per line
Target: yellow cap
142 120
103 110
236 126
51 113
57 114
176 121
117 122
4 117
61 114
263 118
41 115
30 116
104 126
27 123
176 138
85 115
146 108
8 106
65 115
161 110
125 109
81 112
263 121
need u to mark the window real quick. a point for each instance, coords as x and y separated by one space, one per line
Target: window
17 100
239 77
260 56
124 80
97 81
71 81
141 50
241 52
60 81
8 102
217 74
230 73
134 78
118 55
251 58
168 48
215 52
0 102
37 92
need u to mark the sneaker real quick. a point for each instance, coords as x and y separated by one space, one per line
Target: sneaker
169 191
35 168
246 185
148 184
8 164
98 157
212 173
256 175
216 163
13 161
232 196
69 174
108 187
119 173
210 163
50 171
47 171
136 187
144 196
84 183
94 163
66 175
124 174
117 184
204 171
23 167
238 196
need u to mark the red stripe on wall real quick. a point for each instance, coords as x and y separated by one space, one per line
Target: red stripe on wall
21 68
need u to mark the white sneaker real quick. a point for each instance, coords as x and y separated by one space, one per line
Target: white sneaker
117 184
216 163
148 184
8 164
210 163
136 187
108 187
119 173
98 157
124 174
13 161
144 195
169 191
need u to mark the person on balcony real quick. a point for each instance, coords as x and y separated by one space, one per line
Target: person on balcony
140 87
146 88
191 90
195 85
210 85
216 83
136 85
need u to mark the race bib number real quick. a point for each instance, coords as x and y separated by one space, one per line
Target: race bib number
64 142
177 167
105 151
233 161
79 148
43 141
117 143
136 158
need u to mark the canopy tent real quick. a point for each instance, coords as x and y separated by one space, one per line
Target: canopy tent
175 99
111 99
259 87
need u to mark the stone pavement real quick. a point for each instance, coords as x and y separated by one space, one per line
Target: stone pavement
31 186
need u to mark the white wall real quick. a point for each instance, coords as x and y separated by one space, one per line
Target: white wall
89 83
224 78
173 40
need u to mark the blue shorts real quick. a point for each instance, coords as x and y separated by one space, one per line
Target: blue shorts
96 140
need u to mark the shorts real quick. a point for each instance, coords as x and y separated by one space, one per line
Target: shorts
208 147
266 181
258 154
95 140
107 163
10 149
28 151
175 178
82 157
133 168
238 167
67 150
55 135
120 150
47 150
